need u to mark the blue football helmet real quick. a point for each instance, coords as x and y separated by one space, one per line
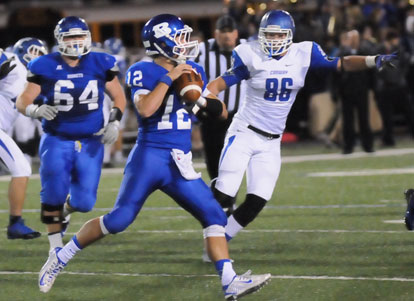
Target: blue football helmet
280 22
73 27
114 46
167 35
28 49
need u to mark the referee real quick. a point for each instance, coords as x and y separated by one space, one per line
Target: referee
215 57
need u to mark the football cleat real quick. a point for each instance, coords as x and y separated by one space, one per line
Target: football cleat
409 214
20 230
244 285
50 270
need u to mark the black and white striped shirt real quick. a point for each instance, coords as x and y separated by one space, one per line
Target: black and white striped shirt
215 64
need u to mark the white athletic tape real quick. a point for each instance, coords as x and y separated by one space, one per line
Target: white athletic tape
188 88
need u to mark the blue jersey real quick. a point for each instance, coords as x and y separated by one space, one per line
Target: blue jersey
170 125
77 92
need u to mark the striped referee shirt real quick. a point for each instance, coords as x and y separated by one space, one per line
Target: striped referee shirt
215 64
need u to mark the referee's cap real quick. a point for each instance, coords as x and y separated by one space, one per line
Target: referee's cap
226 23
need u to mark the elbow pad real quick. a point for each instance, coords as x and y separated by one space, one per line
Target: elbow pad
213 107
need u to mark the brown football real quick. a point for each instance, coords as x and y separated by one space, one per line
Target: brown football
189 86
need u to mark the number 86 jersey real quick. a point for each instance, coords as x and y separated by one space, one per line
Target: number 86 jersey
77 92
170 125
273 83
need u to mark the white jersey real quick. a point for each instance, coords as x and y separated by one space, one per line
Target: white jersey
13 84
10 87
273 84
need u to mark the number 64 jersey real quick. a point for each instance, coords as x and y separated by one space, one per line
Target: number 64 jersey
273 83
77 92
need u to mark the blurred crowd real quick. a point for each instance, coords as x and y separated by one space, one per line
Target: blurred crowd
341 110
326 107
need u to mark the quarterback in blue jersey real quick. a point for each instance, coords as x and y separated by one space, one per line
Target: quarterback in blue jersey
73 81
274 69
161 159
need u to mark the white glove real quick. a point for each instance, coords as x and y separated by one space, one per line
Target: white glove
44 111
111 132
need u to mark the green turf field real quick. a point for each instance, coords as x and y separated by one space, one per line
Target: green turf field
321 237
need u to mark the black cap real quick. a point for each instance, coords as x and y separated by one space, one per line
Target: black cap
226 22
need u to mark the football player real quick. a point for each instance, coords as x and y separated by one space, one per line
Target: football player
12 80
24 129
161 159
73 81
275 69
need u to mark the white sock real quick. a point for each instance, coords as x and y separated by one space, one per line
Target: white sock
55 240
68 251
228 273
233 227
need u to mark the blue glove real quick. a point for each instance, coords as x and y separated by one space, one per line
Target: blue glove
384 60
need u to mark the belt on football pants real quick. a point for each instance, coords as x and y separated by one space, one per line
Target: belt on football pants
263 133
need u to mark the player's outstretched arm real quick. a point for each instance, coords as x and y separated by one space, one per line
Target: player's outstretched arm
358 62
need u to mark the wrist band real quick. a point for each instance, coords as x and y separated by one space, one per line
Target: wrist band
166 80
116 114
206 92
30 109
370 61
201 101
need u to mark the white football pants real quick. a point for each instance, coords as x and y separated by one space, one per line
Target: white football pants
13 157
250 152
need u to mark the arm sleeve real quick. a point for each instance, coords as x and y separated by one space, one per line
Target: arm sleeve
237 72
319 60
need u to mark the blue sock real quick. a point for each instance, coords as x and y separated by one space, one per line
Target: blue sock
228 237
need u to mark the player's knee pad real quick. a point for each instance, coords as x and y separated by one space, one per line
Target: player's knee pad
251 207
214 231
226 202
51 219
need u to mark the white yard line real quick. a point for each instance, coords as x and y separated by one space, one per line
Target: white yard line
364 172
269 207
399 279
286 159
329 231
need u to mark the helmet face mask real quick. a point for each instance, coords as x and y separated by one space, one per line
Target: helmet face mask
28 49
276 32
73 37
168 36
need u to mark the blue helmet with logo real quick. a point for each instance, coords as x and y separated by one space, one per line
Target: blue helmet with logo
28 49
114 46
167 35
276 22
75 27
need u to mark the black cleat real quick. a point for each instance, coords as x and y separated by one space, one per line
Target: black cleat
409 214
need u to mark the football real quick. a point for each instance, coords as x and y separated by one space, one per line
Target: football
189 86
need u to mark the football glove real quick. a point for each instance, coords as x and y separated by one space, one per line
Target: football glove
6 67
386 60
111 132
44 111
